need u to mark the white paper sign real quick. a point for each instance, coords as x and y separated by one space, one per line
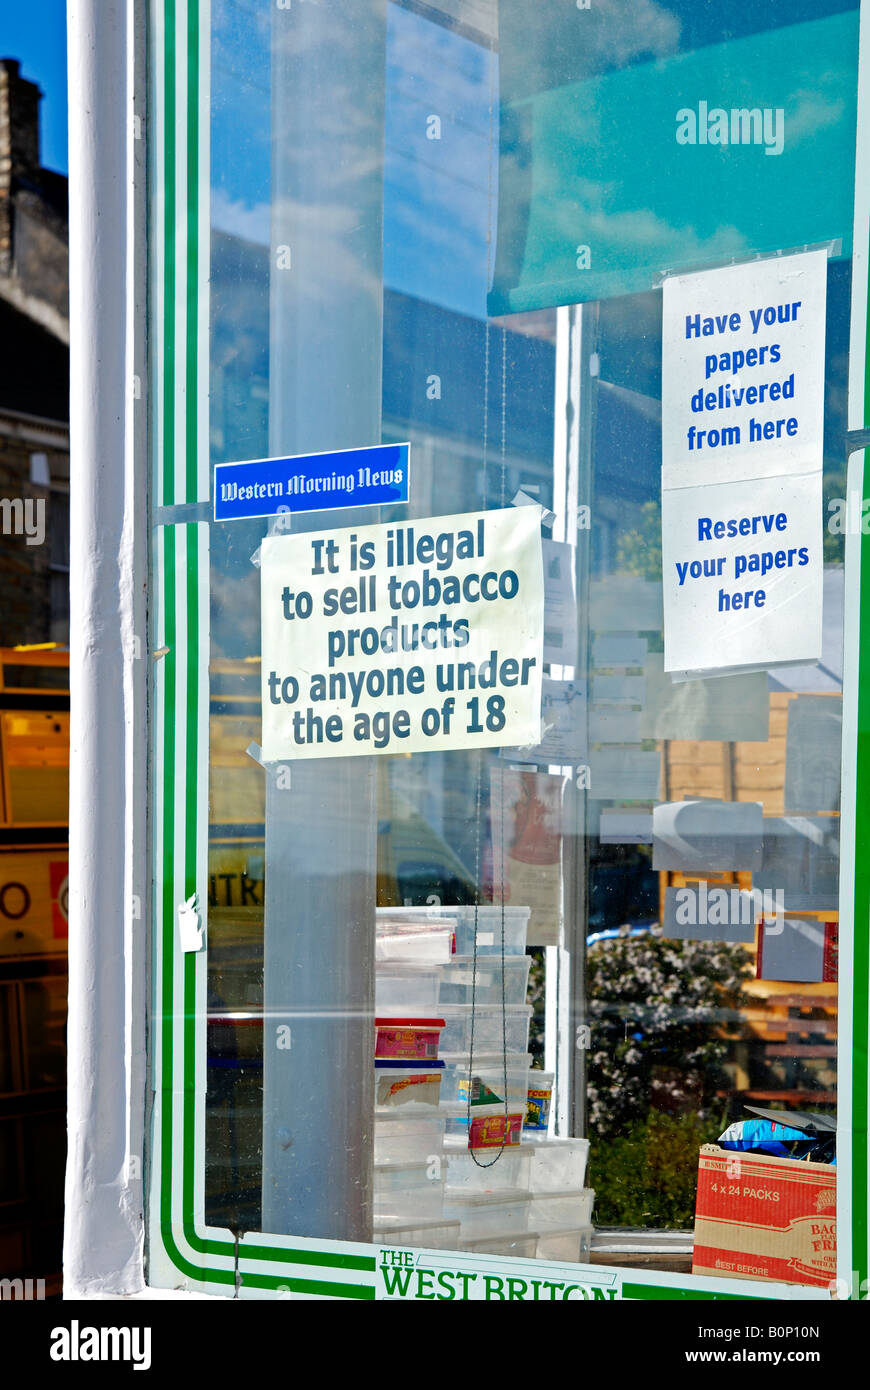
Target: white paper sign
743 363
614 726
402 638
624 774
742 573
743 357
526 809
563 725
618 649
619 690
560 604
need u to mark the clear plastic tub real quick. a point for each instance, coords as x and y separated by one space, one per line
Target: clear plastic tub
419 923
423 917
539 1098
569 1247
419 1235
409 1039
456 1118
521 1246
405 988
488 1213
461 921
561 1211
489 918
400 1084
490 1070
401 1138
487 1028
461 978
557 1165
414 947
509 1170
408 1192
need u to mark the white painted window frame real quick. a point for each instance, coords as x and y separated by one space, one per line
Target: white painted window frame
104 1221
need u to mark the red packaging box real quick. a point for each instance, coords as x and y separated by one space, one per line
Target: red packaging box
765 1218
490 1131
414 1039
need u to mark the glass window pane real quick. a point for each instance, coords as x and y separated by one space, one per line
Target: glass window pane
503 999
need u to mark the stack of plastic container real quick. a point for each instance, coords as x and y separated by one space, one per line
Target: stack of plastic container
483 1007
486 1033
409 1125
561 1207
524 1197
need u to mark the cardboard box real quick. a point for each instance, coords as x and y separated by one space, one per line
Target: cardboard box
765 1218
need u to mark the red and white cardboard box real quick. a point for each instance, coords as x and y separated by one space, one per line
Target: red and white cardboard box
765 1218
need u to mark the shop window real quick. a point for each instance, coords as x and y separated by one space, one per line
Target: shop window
543 997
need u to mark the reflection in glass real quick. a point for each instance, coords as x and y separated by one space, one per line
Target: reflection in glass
649 1033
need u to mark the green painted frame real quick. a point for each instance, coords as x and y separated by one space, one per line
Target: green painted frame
183 1252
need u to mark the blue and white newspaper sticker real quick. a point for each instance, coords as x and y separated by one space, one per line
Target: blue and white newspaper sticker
312 482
